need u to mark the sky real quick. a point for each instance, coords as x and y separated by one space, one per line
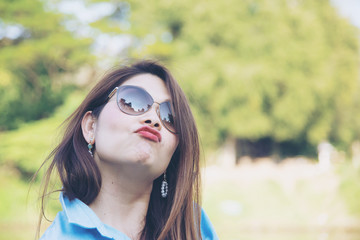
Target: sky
350 9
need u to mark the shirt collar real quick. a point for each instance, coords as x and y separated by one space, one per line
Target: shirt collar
82 215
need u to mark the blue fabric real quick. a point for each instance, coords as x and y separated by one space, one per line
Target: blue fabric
78 221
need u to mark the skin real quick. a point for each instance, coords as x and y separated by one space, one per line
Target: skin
128 161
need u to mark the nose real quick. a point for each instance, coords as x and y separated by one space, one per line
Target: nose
151 118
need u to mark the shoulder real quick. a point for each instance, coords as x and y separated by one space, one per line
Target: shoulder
207 230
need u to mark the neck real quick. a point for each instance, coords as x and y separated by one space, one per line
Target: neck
122 202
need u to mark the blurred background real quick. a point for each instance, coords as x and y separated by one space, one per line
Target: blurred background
274 86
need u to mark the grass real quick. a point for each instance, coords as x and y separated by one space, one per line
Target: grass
241 203
268 201
350 188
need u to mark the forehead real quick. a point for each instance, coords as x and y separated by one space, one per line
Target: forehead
152 84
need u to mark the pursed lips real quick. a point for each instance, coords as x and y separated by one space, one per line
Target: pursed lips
149 133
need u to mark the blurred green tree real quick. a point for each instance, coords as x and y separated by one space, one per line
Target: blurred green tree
286 70
35 49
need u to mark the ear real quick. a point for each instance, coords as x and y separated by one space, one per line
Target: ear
88 125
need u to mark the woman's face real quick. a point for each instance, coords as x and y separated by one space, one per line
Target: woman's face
119 142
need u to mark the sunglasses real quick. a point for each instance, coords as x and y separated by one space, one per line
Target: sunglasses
135 101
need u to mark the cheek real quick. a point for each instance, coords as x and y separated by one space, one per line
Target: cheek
108 118
171 145
112 120
110 128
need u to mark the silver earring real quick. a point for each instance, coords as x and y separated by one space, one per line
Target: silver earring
90 146
164 187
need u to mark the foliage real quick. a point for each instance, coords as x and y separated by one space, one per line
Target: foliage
34 51
25 148
282 69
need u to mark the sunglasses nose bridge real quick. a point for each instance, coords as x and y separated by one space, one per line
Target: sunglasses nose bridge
157 109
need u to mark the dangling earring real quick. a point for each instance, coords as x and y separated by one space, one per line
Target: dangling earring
90 146
164 187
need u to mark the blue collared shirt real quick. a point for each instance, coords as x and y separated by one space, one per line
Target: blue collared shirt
79 221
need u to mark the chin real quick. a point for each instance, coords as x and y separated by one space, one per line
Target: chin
143 157
143 161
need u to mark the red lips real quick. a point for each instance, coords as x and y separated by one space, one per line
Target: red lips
149 133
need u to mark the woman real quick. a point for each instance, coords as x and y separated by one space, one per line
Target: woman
129 162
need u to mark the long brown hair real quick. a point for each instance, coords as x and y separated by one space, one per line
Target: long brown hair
175 217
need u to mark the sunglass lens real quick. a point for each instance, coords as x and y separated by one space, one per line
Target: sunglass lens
167 116
133 100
